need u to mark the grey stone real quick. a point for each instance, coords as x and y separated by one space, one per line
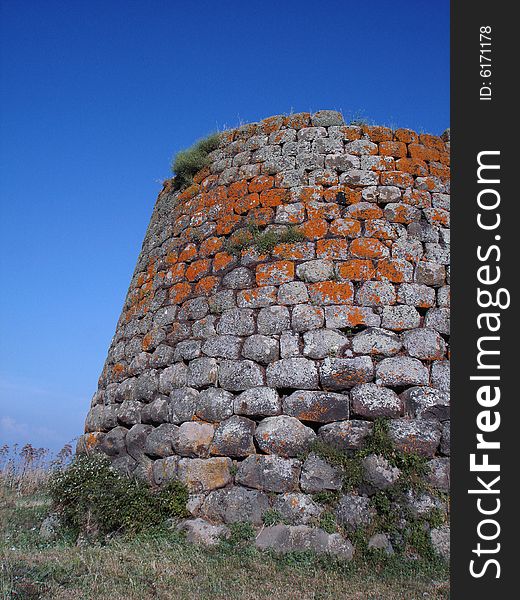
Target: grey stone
258 402
321 343
326 118
301 538
421 503
295 373
114 442
234 437
214 404
194 309
269 473
203 475
162 356
205 328
440 538
427 403
289 214
445 439
345 435
136 440
344 373
125 464
292 292
237 321
401 370
165 316
283 435
319 407
101 418
159 441
400 317
221 301
337 317
376 293
50 527
238 279
306 317
317 270
129 413
354 512
187 350
415 435
183 404
273 319
193 439
172 378
289 344
376 341
318 476
238 375
359 176
425 344
222 346
235 504
441 375
165 470
372 401
257 297
202 533
261 349
156 412
438 474
416 294
380 541
430 273
296 508
378 473
439 319
202 372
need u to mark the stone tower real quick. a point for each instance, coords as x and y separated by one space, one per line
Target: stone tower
297 291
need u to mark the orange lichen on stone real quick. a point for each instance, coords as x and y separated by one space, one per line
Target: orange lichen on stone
201 175
189 192
356 269
207 285
335 249
323 210
331 292
308 194
179 292
198 269
364 212
368 248
292 251
432 141
227 223
275 273
274 197
346 227
405 135
417 198
377 133
189 253
326 177
298 120
261 216
176 272
210 247
237 189
395 149
421 152
349 195
394 270
246 203
439 216
221 261
437 169
397 178
314 229
413 166
147 342
271 124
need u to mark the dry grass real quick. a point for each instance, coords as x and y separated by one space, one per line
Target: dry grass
160 565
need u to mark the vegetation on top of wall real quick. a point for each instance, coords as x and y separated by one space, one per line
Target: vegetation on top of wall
187 163
91 497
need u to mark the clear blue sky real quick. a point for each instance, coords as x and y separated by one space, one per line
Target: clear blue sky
97 96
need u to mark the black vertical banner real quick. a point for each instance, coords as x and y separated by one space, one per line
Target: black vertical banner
486 247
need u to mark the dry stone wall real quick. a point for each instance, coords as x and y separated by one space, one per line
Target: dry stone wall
297 291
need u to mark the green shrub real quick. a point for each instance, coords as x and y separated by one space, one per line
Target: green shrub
263 241
188 162
93 497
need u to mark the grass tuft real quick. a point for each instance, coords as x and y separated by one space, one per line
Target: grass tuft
190 161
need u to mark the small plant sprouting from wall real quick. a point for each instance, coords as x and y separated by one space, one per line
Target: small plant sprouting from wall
262 241
190 161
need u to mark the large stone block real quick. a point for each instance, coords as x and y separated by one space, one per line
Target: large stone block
319 407
269 473
283 435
